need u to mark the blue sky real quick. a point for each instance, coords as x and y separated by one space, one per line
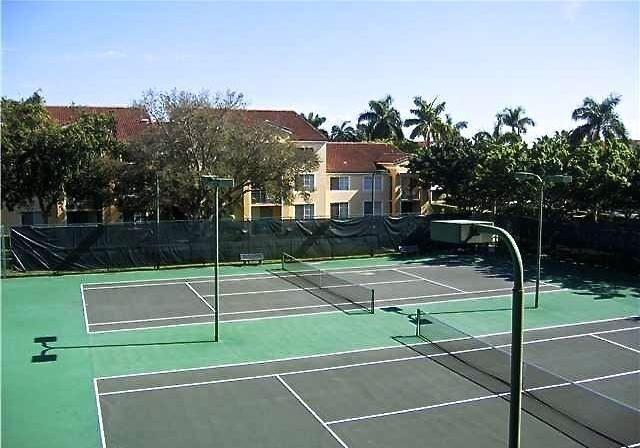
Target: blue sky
332 58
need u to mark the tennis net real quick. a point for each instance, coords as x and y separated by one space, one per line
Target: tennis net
328 287
581 413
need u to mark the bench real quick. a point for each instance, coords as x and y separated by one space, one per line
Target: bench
257 258
408 249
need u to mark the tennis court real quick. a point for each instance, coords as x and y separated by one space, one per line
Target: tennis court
277 293
397 396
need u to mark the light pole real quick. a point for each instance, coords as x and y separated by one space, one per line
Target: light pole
480 232
216 183
558 179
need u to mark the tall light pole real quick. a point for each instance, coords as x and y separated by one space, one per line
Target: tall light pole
558 179
480 232
216 183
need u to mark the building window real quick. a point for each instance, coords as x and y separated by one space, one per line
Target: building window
377 208
305 211
306 182
339 183
339 210
366 183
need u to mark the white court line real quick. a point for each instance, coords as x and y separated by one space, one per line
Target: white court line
266 375
303 307
312 412
246 277
330 311
199 296
471 400
100 424
346 352
626 347
151 319
338 367
418 409
429 280
84 308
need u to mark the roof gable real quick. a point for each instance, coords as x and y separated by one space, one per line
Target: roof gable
130 121
360 157
288 121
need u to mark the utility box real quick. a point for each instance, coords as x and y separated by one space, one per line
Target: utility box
461 231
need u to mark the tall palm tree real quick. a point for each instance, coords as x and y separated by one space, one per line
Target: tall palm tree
602 121
382 120
316 121
515 119
427 122
344 133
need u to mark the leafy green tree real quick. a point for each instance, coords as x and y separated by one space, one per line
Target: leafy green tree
601 176
381 121
198 134
602 122
515 119
35 160
344 133
427 122
97 154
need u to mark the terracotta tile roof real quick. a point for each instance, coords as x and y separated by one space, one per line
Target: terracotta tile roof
289 121
130 121
360 157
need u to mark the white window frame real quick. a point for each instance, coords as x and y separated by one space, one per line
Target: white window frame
340 214
378 181
373 208
312 187
340 178
305 211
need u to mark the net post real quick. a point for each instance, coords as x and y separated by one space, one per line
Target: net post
418 320
373 299
282 261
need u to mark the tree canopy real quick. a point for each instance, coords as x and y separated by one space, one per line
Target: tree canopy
381 121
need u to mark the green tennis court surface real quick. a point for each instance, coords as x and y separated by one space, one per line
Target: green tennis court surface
136 366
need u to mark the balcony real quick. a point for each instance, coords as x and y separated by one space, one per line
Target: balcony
260 197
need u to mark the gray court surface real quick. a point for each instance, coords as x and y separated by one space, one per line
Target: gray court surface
152 304
397 396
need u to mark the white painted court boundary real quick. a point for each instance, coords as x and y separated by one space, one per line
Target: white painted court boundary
303 307
326 425
263 276
383 348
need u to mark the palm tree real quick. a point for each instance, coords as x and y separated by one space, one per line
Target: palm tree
316 121
382 120
515 119
428 123
602 121
344 133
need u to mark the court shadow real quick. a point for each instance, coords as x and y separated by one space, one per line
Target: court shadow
45 342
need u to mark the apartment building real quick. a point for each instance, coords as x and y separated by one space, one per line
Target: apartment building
353 179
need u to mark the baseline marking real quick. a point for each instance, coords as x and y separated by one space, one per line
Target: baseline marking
312 412
84 308
302 307
347 352
346 366
100 423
